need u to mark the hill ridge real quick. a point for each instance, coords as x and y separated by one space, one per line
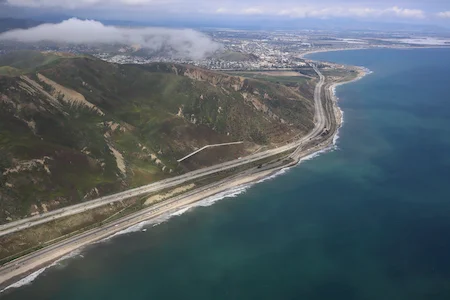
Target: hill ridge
100 127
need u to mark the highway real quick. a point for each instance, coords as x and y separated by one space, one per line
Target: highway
319 116
38 259
320 122
17 268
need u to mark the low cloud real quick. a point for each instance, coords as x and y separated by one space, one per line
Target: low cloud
360 12
444 14
77 3
185 43
406 12
328 12
252 11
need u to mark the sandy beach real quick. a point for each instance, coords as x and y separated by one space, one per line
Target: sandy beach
57 251
302 55
32 265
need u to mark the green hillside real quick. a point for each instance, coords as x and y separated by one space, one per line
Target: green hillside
29 61
10 71
75 128
236 56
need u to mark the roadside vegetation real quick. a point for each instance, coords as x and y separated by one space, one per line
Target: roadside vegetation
75 128
57 150
29 240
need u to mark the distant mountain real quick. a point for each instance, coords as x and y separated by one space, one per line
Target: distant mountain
75 127
11 23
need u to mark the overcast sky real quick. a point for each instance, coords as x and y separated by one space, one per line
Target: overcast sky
412 11
184 43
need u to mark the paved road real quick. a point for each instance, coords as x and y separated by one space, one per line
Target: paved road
36 259
32 261
174 181
206 147
319 117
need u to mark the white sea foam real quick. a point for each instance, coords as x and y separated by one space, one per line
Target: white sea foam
133 228
231 193
30 278
368 71
164 217
180 211
336 98
318 153
336 136
27 280
276 174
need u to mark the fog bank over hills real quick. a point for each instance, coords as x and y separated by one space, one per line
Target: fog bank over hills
184 43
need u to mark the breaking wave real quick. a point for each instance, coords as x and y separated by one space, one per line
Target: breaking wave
30 278
231 193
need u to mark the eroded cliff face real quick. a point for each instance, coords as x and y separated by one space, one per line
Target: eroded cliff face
286 109
56 149
216 79
81 128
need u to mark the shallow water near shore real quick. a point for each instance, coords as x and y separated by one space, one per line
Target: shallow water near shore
370 220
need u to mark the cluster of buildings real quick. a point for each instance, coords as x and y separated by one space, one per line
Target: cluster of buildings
242 51
210 63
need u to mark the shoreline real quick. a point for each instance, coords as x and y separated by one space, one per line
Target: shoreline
308 52
47 261
23 275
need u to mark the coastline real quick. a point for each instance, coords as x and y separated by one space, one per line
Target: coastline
302 55
33 270
23 275
308 52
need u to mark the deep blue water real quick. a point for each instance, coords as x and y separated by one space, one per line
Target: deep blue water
368 221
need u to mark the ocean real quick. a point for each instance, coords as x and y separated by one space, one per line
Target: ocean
369 219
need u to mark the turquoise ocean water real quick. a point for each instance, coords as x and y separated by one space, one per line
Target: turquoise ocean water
370 220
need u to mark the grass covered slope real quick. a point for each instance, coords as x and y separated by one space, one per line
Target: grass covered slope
75 128
27 61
